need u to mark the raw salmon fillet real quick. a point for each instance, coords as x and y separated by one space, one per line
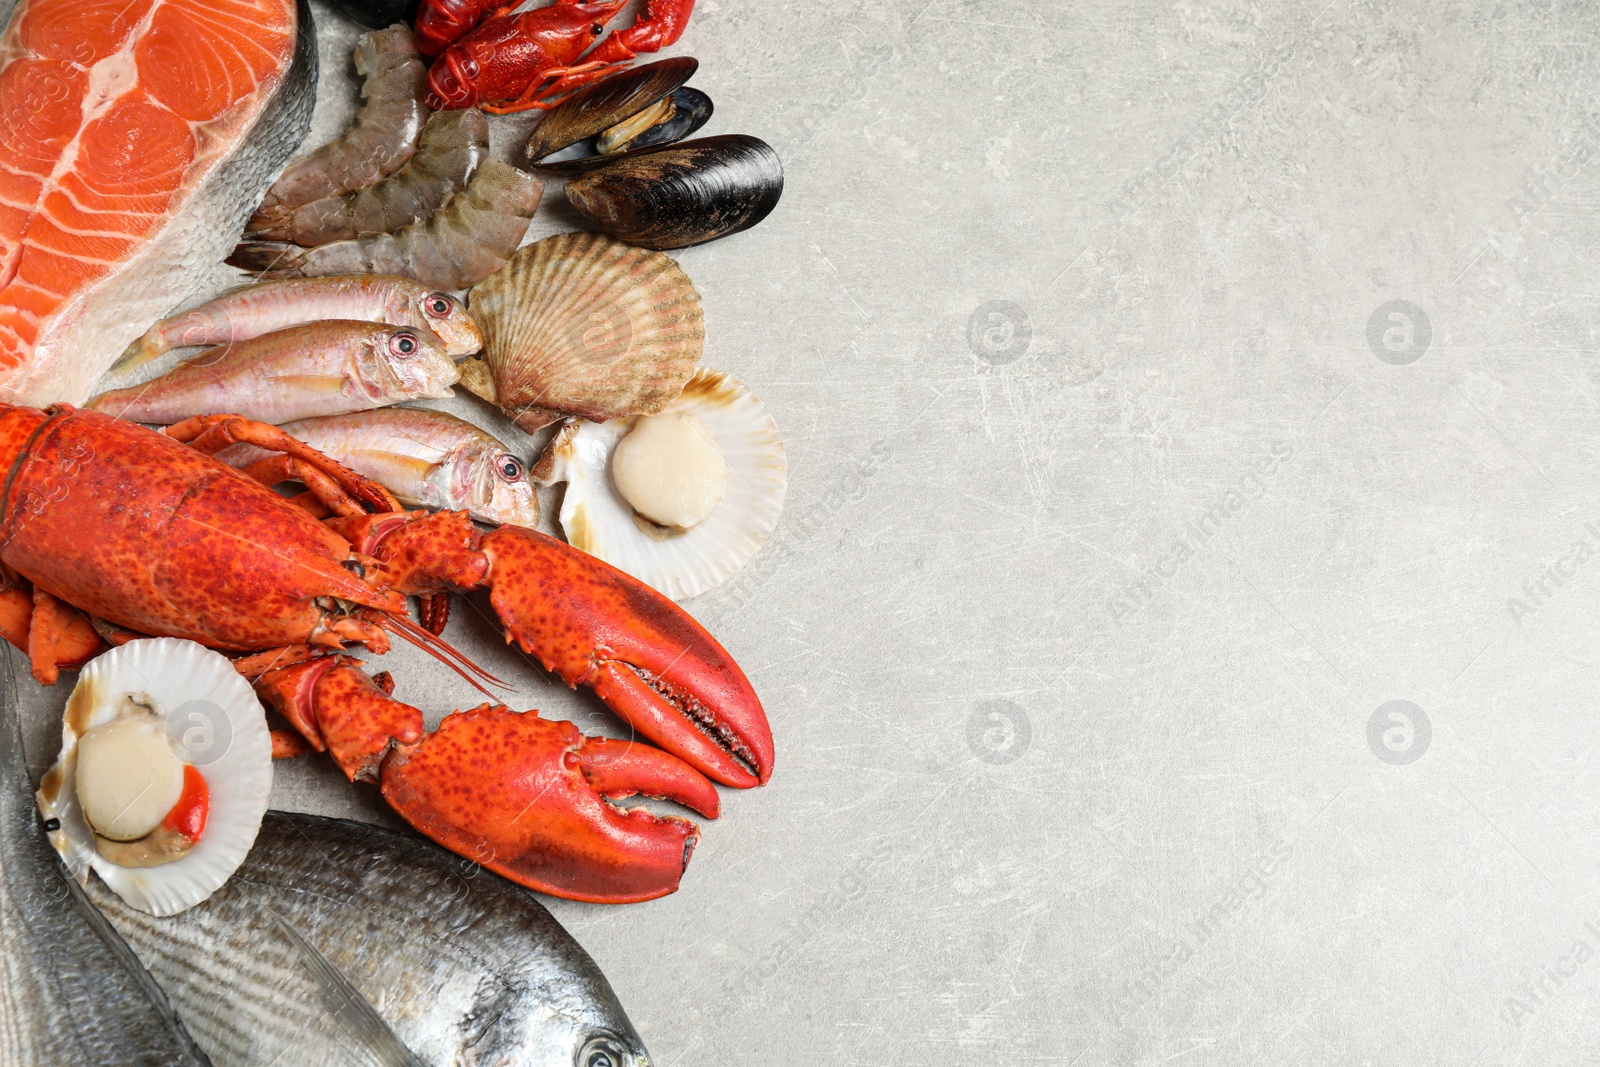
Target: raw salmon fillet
135 137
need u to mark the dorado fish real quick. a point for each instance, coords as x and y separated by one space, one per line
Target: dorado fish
464 967
321 368
136 137
71 991
427 459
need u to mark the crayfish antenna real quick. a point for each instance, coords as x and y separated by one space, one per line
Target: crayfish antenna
444 652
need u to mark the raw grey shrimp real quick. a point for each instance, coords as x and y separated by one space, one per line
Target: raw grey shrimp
456 247
453 144
378 143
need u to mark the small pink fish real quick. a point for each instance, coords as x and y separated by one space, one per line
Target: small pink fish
425 458
320 368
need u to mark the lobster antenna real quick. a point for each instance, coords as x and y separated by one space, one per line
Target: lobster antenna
445 653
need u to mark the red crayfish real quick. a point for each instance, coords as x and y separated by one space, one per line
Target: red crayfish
519 61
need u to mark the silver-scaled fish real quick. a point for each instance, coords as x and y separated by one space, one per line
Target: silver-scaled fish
320 368
425 458
261 308
71 991
463 966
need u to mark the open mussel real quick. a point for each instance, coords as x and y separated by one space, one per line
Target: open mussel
643 107
682 194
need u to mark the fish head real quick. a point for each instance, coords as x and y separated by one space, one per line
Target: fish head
450 322
496 486
418 363
609 1049
595 1034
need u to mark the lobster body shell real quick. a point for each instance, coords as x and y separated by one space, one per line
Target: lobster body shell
147 533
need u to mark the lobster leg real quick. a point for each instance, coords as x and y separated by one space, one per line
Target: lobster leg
522 795
592 625
661 23
212 433
53 634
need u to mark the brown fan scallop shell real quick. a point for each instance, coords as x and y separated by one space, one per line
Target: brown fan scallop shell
582 324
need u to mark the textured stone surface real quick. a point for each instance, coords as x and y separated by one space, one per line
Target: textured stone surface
1123 502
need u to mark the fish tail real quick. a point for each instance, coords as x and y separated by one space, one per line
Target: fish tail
275 259
142 351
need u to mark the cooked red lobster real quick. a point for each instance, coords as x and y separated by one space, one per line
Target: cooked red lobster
515 62
144 533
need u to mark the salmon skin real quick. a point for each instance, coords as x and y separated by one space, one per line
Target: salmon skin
135 139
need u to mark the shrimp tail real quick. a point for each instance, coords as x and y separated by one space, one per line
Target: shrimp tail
270 259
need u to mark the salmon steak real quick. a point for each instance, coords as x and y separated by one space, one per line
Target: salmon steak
135 138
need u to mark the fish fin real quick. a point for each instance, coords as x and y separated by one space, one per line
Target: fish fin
361 1021
477 379
311 383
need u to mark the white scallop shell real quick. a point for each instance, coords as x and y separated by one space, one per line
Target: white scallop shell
215 723
680 564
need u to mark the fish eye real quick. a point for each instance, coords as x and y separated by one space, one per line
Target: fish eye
404 343
601 1052
437 304
509 468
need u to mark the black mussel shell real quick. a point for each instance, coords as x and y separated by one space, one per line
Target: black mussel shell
691 108
682 194
605 103
377 14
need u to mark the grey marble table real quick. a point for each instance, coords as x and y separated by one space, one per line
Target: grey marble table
1183 636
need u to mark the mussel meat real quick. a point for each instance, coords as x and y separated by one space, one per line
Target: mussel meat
641 108
682 194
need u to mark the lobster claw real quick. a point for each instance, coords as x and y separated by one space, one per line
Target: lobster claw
593 625
524 797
